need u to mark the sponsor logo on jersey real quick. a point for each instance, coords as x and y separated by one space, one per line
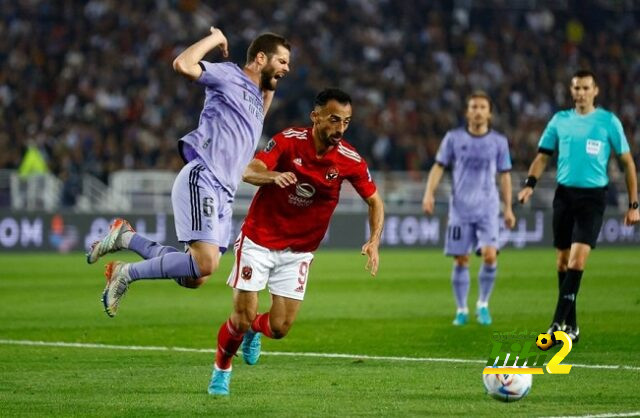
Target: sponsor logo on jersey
332 173
300 289
304 193
246 272
305 190
297 161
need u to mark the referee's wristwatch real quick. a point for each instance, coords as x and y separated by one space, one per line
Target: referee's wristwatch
633 205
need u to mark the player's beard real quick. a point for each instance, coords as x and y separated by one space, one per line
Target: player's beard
333 139
267 78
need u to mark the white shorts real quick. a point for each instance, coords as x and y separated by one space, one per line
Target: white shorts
255 266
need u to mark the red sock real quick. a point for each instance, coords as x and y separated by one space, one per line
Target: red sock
261 324
229 339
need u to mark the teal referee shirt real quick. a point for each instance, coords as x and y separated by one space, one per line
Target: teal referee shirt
584 144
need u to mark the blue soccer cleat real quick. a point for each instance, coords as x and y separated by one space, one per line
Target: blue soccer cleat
219 384
483 316
251 345
461 319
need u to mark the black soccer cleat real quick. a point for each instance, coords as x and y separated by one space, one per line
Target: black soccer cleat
573 333
553 328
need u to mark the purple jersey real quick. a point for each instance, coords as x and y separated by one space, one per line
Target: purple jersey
230 123
475 161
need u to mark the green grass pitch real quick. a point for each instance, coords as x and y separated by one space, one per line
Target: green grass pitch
406 311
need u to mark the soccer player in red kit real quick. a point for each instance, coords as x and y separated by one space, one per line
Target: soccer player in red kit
300 173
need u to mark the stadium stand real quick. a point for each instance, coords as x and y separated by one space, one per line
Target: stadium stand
90 84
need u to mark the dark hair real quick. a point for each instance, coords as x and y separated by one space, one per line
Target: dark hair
480 94
332 94
267 43
585 73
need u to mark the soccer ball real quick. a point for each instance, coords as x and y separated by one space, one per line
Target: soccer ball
544 342
507 387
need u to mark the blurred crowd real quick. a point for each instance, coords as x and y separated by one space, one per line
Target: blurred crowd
90 83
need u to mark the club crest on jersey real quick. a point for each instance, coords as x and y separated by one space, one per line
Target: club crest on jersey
246 272
270 145
332 173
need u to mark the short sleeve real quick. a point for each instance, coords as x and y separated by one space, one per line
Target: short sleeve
617 137
272 151
361 180
549 138
212 73
504 158
445 152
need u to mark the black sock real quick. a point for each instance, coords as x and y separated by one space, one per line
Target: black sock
567 297
561 276
571 317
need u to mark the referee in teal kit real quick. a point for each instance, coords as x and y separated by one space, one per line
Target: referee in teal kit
584 138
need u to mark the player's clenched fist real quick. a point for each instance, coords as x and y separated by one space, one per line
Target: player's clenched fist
222 41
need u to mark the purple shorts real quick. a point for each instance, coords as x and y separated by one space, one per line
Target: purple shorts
464 237
201 207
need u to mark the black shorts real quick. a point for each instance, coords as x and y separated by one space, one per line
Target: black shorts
577 215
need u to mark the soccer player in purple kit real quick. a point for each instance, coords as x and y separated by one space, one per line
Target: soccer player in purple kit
216 153
475 153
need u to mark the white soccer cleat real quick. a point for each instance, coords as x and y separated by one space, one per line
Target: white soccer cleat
117 276
112 242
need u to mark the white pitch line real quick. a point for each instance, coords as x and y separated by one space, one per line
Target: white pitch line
607 415
281 353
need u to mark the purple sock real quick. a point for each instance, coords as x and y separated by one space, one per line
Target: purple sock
486 279
177 266
460 281
148 249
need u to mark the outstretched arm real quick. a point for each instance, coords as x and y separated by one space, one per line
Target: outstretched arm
435 175
257 174
186 63
505 190
376 222
535 170
633 215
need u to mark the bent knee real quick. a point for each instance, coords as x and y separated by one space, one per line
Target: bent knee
207 266
280 331
197 282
